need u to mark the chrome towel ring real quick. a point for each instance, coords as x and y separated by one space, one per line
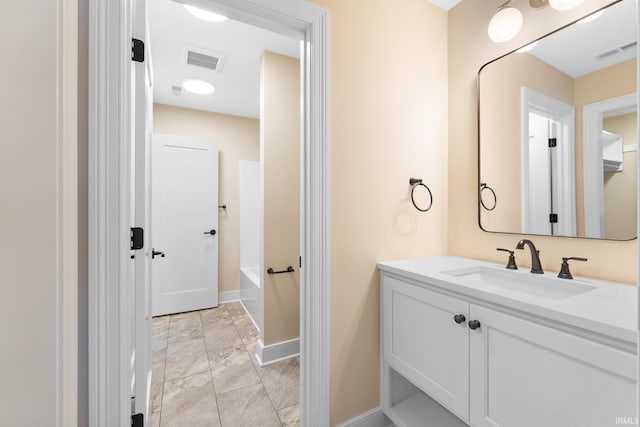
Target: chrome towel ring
415 183
483 187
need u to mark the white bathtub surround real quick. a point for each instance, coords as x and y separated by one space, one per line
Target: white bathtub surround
250 239
250 293
249 213
272 353
489 347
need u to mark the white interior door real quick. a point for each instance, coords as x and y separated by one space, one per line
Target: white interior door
185 223
539 183
548 180
141 362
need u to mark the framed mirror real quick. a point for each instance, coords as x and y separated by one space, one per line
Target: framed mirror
558 132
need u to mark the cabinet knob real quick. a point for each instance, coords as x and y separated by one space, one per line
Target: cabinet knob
459 318
474 324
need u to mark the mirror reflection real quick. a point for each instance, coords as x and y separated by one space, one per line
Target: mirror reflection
558 132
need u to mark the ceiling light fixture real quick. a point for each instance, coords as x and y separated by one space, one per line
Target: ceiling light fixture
505 24
197 86
205 14
564 4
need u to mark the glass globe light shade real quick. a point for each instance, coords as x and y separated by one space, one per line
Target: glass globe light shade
505 24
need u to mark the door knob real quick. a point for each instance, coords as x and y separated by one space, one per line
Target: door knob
212 232
474 324
459 318
155 253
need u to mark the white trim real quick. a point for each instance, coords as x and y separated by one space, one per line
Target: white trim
109 148
565 200
272 353
592 116
67 215
109 142
373 418
228 296
250 316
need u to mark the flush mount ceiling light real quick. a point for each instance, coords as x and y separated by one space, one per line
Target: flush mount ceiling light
197 86
205 14
505 24
564 4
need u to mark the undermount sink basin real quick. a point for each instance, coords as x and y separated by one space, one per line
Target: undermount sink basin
532 284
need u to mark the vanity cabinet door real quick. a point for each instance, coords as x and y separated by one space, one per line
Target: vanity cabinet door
527 375
423 342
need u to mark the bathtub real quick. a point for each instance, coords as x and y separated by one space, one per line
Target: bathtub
250 293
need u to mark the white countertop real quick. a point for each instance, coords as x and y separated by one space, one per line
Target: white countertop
609 310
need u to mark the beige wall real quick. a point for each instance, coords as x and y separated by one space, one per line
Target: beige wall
388 122
280 180
598 86
31 274
238 139
620 196
500 133
469 49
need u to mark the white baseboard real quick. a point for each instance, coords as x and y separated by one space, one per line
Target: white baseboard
250 316
372 418
272 353
229 296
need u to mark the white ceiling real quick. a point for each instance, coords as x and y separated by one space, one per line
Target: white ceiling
573 50
237 83
445 4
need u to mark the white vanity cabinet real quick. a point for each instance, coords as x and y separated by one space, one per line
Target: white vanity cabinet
424 343
528 375
510 371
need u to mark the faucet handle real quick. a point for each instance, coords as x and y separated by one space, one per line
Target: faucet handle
564 269
511 265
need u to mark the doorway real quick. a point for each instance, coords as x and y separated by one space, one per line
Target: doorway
251 116
110 308
548 165
597 163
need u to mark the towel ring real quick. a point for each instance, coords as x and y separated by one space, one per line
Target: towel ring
484 186
415 183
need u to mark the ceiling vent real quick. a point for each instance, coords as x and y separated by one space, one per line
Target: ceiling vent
617 50
203 58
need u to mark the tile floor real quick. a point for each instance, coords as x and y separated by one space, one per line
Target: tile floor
205 373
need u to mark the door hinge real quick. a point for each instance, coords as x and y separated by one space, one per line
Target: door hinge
137 420
137 238
553 142
553 218
300 265
137 50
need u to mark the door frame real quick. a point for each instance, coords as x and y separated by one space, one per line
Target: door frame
533 101
110 136
593 169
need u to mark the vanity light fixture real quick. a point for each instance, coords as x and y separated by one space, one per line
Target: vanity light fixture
205 15
199 87
505 24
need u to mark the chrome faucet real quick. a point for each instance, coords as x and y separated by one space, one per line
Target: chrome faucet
536 267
